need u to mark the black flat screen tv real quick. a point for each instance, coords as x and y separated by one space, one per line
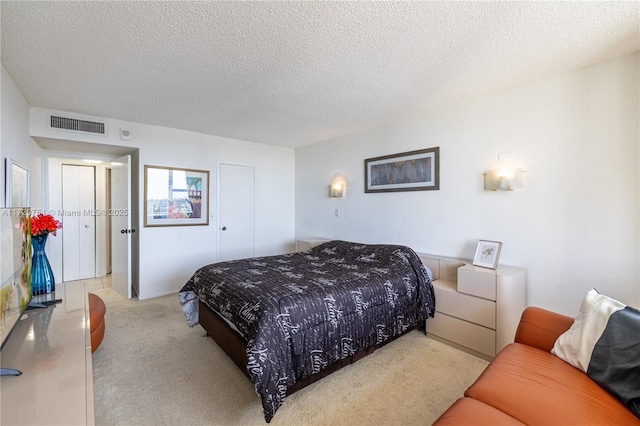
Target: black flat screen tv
15 271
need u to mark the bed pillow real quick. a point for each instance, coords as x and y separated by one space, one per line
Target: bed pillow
604 342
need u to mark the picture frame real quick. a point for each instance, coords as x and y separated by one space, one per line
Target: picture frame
407 171
175 196
16 189
487 254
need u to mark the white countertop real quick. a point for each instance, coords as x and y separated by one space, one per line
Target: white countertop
52 349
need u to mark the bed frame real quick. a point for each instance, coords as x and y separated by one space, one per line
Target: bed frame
234 345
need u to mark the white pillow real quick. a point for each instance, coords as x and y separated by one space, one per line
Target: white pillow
575 346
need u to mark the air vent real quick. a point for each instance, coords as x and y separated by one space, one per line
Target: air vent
76 125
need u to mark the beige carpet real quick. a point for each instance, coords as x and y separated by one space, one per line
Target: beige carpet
152 369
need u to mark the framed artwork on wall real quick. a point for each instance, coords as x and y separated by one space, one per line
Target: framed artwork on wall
175 197
16 184
487 254
408 171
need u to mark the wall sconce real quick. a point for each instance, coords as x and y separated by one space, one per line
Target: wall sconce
338 187
504 176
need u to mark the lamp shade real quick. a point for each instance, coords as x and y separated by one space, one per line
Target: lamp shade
504 175
338 187
504 179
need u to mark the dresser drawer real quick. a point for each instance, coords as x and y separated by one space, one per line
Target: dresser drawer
472 336
477 281
463 306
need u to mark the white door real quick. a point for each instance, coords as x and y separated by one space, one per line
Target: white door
121 226
237 215
79 223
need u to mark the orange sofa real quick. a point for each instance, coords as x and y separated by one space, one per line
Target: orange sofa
526 384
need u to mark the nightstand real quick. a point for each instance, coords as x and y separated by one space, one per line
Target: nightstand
477 309
303 244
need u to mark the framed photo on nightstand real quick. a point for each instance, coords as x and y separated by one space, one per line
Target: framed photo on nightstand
487 254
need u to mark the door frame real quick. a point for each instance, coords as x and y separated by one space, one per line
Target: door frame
107 189
51 204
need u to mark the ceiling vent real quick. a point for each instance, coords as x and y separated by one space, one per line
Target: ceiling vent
77 125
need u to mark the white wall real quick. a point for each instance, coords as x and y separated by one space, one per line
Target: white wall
168 256
574 227
15 142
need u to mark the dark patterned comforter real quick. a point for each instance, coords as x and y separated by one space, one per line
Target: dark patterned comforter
301 312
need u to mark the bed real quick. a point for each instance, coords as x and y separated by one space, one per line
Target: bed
288 320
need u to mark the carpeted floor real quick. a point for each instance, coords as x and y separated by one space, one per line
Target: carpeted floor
153 369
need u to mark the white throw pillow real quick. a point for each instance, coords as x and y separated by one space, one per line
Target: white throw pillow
575 346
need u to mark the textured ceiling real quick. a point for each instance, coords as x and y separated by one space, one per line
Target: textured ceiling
295 73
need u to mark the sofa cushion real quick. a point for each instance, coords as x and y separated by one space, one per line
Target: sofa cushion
468 411
604 342
536 387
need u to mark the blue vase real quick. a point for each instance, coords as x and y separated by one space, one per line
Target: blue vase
41 273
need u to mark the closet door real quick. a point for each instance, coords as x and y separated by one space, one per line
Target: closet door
79 223
237 212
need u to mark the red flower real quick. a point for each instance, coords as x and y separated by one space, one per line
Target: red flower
44 224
